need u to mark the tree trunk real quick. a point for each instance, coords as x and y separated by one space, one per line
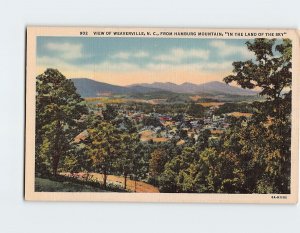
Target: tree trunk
104 179
125 180
57 151
55 164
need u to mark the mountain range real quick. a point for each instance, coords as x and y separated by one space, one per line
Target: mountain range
213 87
90 88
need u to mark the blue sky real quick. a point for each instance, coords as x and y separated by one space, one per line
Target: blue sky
125 61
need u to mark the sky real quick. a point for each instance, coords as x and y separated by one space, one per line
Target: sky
125 61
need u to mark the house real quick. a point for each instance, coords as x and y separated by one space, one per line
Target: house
194 123
157 129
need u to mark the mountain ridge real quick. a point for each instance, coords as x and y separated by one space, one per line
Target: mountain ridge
191 88
90 88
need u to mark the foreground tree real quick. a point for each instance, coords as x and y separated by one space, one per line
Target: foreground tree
158 159
126 162
175 175
268 154
270 73
103 146
59 110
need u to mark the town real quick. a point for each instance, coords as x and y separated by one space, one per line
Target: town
161 127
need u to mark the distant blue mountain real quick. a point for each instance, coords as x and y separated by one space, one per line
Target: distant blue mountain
90 88
214 87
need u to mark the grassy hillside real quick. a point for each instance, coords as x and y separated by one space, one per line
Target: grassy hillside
46 185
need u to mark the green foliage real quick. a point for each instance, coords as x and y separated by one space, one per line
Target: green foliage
168 179
175 174
151 121
182 133
103 146
167 95
157 162
58 119
234 107
127 162
203 139
266 141
195 110
271 73
110 112
173 108
115 151
207 172
168 108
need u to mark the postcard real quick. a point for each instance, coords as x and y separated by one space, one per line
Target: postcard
162 115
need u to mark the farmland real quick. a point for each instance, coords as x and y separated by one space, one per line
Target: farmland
211 104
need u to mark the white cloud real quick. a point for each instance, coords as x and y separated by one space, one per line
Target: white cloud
201 66
121 55
140 54
225 49
177 55
127 55
50 61
63 65
110 66
67 51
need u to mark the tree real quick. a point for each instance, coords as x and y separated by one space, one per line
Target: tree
178 117
182 133
207 175
195 110
129 154
203 139
140 162
152 121
175 175
103 146
110 112
157 163
126 124
269 157
270 73
228 174
168 179
59 110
